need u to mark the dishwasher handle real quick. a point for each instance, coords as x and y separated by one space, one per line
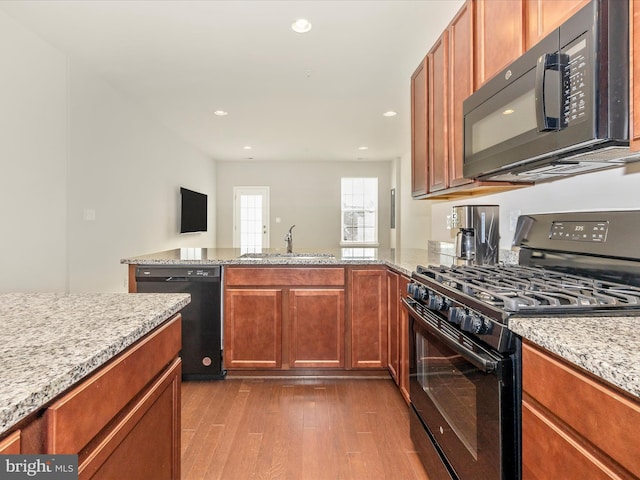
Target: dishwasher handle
178 274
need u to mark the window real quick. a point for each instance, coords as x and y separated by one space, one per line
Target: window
359 211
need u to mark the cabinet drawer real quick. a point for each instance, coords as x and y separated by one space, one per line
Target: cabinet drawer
545 441
11 444
599 413
75 419
272 276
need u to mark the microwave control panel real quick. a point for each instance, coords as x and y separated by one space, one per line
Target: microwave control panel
574 87
580 231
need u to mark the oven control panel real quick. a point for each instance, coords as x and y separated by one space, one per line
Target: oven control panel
595 232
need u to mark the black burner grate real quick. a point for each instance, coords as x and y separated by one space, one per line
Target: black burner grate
516 288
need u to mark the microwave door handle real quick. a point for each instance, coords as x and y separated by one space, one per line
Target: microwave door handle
548 61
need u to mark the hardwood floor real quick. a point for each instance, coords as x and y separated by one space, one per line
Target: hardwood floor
296 429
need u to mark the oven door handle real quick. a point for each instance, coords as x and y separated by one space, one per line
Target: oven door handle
483 362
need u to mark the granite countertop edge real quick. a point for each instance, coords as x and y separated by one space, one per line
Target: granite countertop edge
51 342
606 347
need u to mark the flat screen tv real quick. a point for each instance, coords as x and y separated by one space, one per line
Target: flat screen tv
193 211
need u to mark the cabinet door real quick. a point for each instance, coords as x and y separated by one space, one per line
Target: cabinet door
253 328
403 328
499 36
437 152
317 328
393 325
545 15
419 130
368 318
145 443
11 444
461 83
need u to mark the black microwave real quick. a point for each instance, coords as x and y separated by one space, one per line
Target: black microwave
561 109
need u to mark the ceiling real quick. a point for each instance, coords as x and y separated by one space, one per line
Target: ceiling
317 96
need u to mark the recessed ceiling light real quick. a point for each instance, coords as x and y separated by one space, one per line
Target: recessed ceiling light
247 147
301 25
390 113
220 113
508 111
363 148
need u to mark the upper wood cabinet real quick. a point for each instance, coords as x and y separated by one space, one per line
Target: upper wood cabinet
499 36
461 85
542 16
437 94
419 130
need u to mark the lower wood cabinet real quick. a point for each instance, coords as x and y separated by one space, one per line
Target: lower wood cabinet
281 318
297 318
316 328
253 328
11 444
575 426
123 420
398 354
368 317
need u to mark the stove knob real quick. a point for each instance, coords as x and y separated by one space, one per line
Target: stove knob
472 323
416 291
436 302
456 314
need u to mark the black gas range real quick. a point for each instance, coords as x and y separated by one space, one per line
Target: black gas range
464 360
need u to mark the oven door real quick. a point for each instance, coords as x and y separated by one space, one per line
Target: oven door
465 396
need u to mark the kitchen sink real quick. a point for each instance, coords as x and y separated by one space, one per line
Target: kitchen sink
287 256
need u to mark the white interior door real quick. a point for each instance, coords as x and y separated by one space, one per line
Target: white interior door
250 218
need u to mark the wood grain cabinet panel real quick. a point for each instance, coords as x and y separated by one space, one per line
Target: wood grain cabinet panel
11 444
78 417
543 16
438 148
316 317
419 130
368 317
499 36
145 442
566 405
393 325
253 328
396 344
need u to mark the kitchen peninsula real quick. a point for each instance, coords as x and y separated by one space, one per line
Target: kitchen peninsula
93 374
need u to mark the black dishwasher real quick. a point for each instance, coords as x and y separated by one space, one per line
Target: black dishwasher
201 319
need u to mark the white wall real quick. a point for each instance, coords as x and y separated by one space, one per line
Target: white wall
305 194
69 142
128 170
415 215
606 190
33 156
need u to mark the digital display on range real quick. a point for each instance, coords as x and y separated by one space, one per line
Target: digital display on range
579 231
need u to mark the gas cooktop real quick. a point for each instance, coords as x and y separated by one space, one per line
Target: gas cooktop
527 290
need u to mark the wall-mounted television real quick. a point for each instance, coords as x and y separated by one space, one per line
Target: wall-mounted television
193 211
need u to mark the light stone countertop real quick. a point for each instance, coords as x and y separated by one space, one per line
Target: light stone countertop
51 341
402 260
608 347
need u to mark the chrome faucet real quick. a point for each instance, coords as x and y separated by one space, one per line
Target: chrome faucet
288 239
